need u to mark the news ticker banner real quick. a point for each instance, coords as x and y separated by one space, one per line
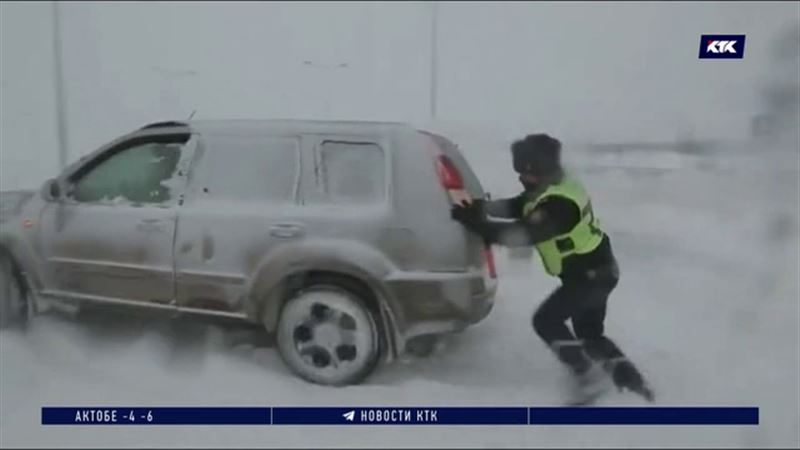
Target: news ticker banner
103 415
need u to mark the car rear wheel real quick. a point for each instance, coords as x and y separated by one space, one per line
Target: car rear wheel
13 301
328 336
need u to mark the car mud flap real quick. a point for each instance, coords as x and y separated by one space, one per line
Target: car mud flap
391 336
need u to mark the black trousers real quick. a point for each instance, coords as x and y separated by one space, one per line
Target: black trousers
581 299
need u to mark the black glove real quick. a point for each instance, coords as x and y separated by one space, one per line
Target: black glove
470 215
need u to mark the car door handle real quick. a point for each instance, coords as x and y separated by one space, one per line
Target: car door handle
286 230
149 225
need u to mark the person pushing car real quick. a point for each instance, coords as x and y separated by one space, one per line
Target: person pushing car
554 214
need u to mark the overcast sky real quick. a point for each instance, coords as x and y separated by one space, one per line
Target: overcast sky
593 71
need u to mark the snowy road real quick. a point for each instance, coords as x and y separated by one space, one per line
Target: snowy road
707 306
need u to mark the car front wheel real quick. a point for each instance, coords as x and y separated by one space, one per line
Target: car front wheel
328 336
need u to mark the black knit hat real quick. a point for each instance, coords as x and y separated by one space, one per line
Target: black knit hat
537 154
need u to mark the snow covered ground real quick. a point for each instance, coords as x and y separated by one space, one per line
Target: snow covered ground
707 306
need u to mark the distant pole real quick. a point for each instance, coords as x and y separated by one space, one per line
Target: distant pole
61 101
434 65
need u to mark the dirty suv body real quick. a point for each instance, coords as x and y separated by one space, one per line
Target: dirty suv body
335 236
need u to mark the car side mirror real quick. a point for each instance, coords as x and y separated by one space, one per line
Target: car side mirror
52 189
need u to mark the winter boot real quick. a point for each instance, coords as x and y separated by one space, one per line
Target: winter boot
626 376
588 386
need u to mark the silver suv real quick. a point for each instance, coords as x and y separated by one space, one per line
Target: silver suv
335 236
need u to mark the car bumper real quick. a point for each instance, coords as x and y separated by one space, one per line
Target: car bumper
439 302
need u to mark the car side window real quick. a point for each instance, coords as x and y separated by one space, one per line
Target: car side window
243 167
353 172
137 174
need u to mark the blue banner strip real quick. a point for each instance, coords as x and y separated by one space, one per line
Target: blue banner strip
644 416
101 415
400 416
155 416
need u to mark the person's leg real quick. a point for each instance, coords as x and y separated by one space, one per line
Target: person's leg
588 323
549 323
588 326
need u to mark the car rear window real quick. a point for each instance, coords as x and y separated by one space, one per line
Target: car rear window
353 172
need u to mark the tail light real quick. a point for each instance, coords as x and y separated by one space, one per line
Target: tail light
448 173
488 257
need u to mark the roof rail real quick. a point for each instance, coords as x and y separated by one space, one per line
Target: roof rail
167 124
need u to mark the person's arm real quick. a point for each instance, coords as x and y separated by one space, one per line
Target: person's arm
551 218
505 208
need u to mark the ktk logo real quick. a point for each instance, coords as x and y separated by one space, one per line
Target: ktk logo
722 46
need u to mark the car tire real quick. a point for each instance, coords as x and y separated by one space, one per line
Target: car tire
13 299
327 335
